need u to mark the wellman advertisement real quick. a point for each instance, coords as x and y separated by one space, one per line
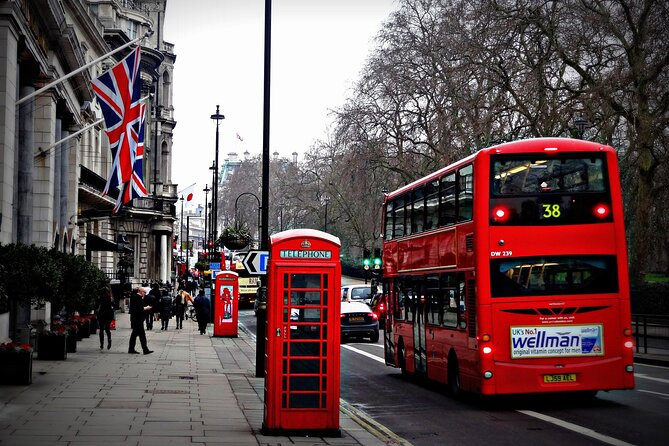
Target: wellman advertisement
557 341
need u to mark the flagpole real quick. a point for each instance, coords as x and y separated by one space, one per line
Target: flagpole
43 151
80 69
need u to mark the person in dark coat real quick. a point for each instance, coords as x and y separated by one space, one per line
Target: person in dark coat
138 313
151 300
180 307
202 311
165 309
105 314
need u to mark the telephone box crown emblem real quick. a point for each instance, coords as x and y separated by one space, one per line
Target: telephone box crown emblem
305 244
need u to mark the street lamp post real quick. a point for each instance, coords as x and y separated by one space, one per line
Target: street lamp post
206 235
581 123
218 117
181 230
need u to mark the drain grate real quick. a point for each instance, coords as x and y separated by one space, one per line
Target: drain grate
169 392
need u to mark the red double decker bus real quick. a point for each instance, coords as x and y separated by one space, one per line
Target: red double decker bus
506 272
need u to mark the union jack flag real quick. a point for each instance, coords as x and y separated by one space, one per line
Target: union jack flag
118 93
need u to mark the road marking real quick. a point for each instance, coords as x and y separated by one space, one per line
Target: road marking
576 428
651 378
364 353
653 393
381 432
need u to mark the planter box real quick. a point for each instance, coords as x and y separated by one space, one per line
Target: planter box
84 330
52 347
71 343
17 368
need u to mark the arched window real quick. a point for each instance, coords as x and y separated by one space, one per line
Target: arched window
167 88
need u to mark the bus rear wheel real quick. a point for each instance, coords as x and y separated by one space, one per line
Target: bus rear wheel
454 377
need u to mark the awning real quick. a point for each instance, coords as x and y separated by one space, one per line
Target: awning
95 243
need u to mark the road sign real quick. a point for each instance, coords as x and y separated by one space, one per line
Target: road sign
256 262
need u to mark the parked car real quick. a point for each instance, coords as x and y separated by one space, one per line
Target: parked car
357 293
358 321
380 307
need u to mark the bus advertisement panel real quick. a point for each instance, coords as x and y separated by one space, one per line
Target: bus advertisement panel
506 272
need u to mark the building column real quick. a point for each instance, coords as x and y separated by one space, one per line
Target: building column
57 160
63 198
26 146
163 258
8 90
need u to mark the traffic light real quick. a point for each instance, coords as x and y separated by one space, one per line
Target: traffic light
366 263
377 263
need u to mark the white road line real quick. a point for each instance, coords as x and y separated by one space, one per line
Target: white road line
651 378
364 353
654 393
576 428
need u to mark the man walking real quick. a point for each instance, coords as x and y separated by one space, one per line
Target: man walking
137 316
202 311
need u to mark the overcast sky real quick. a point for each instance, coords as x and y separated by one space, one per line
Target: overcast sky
318 50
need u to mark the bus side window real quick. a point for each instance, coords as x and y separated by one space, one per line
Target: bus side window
432 205
465 193
418 211
447 207
399 217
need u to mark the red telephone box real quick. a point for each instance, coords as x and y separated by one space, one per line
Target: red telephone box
302 354
226 304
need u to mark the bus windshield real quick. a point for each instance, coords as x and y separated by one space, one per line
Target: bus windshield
540 190
542 174
553 275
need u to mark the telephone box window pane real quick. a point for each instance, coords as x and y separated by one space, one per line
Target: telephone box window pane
284 401
324 400
285 280
307 366
303 383
305 332
285 315
305 298
285 366
325 367
304 401
285 349
325 281
305 281
324 383
325 297
325 349
285 297
304 349
284 383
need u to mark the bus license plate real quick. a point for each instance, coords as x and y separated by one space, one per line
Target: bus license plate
564 378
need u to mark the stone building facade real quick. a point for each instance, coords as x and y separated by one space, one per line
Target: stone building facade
54 153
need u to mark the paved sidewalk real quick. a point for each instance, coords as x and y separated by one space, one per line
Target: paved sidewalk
192 390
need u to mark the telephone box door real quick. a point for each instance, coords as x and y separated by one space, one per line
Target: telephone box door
303 330
226 304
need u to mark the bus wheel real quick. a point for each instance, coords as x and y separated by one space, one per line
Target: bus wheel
453 376
401 359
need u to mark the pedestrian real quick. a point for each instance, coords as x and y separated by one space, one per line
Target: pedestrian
105 315
138 312
165 309
202 311
151 300
180 301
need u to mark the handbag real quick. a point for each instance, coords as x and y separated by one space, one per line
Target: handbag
112 324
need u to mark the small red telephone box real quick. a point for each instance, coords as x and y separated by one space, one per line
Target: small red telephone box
226 304
302 380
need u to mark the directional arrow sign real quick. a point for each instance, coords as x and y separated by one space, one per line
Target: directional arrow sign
255 262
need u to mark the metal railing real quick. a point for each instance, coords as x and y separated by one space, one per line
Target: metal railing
651 333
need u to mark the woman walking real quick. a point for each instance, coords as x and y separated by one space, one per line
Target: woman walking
165 309
105 315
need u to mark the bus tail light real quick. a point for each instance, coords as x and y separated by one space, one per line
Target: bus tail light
485 337
500 214
602 211
487 350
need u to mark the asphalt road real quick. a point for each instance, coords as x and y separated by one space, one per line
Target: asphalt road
424 414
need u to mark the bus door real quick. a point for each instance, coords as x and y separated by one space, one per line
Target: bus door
390 294
420 350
